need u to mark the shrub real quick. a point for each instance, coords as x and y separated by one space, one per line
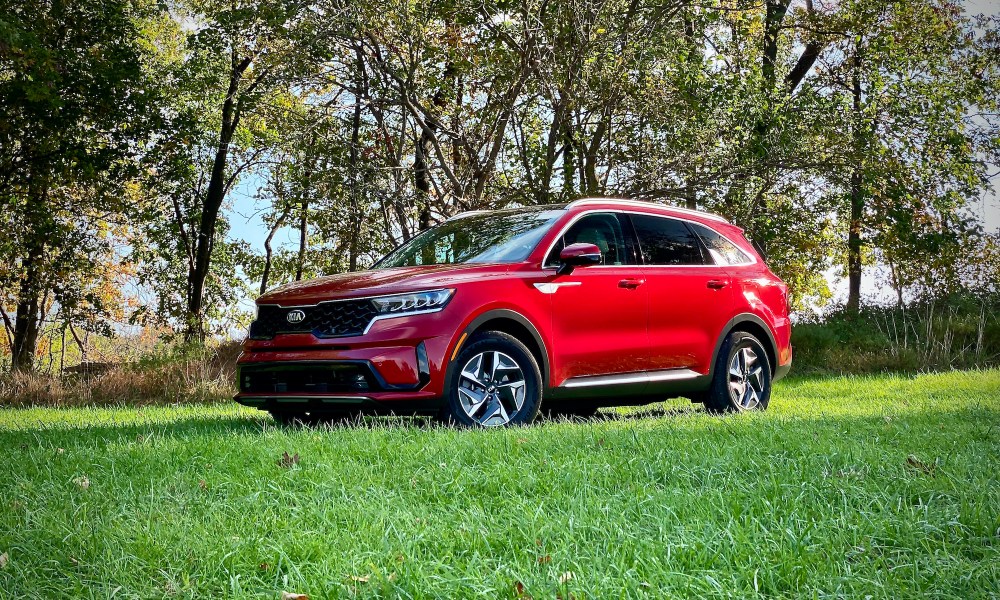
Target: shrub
955 332
174 375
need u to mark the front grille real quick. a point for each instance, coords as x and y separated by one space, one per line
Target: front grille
307 378
329 319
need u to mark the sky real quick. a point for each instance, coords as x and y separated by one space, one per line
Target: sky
245 210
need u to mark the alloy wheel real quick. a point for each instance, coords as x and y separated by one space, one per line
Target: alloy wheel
746 378
491 388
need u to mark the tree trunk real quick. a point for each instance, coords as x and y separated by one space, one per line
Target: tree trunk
8 327
690 195
213 203
854 245
267 248
305 196
303 238
854 242
424 146
352 166
569 160
28 310
26 323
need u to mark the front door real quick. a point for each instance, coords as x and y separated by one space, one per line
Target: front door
598 311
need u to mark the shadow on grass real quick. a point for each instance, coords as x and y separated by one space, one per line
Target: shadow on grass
629 414
181 428
85 432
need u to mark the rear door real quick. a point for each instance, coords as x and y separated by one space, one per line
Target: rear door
690 297
598 311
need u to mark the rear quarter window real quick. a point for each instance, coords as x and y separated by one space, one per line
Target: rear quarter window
722 251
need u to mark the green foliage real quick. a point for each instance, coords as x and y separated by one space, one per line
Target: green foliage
838 135
954 332
76 108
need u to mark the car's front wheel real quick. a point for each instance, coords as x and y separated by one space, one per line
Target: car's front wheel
742 376
496 382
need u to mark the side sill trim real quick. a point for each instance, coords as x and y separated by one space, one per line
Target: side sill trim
627 378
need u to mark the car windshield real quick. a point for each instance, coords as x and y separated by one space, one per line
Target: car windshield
496 237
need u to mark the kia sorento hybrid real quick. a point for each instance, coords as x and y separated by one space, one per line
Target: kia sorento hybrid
491 317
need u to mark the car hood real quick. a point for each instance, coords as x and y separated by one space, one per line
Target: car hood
378 282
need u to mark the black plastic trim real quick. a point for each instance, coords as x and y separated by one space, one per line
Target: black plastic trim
780 372
423 365
339 404
383 386
503 313
730 325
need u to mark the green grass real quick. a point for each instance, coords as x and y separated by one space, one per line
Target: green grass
870 486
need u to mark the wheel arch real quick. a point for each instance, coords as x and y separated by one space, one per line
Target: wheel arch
514 324
755 326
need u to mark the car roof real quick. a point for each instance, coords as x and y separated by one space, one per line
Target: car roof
612 202
628 203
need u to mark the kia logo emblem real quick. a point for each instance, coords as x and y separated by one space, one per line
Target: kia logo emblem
296 316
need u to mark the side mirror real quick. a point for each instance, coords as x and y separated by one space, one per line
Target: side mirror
578 255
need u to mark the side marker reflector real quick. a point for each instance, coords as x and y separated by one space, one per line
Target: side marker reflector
461 340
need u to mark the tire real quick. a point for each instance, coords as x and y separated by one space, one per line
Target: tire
494 381
735 386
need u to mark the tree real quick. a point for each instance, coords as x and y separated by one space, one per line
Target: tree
235 62
918 108
75 109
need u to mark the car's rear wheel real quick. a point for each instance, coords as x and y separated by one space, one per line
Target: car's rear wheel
495 382
742 376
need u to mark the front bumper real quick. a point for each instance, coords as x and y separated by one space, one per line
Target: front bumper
399 374
409 404
783 369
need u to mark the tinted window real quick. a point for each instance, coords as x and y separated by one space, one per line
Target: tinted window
604 230
499 237
722 251
666 241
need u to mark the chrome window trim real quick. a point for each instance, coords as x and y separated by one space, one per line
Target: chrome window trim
647 212
753 260
572 222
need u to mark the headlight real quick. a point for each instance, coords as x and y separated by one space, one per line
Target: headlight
417 302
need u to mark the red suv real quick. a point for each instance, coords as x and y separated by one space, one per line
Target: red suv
490 317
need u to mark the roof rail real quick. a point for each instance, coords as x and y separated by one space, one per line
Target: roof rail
643 203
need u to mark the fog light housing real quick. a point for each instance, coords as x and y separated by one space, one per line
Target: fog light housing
359 382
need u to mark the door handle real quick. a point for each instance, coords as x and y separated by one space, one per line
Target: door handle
631 284
717 284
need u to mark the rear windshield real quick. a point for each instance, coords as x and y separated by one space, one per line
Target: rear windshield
496 237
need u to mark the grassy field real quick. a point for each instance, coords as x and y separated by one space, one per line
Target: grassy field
852 487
